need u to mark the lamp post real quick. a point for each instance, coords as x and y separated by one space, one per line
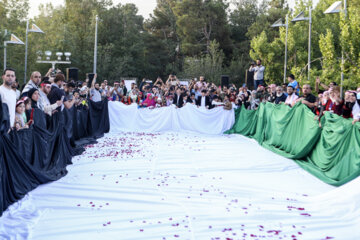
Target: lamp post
95 44
54 62
35 29
279 23
337 8
13 40
301 17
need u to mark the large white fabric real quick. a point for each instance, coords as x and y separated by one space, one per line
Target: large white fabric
133 186
189 117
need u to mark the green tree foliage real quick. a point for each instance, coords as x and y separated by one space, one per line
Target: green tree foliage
209 65
164 37
188 38
201 21
12 17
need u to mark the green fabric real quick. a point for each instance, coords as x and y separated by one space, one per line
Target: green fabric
331 153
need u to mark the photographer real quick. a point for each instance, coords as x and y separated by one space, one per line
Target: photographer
258 73
116 91
172 80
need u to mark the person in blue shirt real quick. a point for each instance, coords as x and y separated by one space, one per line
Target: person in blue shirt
293 83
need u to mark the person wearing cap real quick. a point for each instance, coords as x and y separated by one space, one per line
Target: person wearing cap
34 82
8 95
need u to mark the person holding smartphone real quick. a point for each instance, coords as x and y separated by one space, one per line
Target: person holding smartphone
56 93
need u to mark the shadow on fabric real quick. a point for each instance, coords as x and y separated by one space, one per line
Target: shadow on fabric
40 154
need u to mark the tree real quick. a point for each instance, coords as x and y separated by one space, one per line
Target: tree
209 65
164 35
201 21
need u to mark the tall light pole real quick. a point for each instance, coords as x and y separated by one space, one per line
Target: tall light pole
13 40
279 23
301 17
95 44
35 29
337 8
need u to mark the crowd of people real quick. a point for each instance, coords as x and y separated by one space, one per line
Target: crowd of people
52 93
49 94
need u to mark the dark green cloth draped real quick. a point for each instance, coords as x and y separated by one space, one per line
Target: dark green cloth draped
331 153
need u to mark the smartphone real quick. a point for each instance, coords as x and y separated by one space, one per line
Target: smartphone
62 98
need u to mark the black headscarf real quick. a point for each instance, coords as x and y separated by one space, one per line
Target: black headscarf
30 93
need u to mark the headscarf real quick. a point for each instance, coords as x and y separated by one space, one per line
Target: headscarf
149 102
30 93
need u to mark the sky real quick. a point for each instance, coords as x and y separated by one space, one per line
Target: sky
145 7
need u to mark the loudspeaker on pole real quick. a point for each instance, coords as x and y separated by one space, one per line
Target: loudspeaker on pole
72 74
225 81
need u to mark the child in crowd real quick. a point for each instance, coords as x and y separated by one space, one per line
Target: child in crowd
20 116
169 100
254 101
158 103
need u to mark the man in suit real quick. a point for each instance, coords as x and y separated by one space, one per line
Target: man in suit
203 100
178 98
192 99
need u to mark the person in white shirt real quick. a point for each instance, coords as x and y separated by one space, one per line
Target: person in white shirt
258 73
7 94
292 97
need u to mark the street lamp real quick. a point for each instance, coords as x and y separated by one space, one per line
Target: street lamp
59 55
337 8
48 55
67 55
279 23
54 62
301 17
34 29
13 40
95 44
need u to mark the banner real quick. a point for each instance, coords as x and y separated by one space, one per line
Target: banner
40 154
331 153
